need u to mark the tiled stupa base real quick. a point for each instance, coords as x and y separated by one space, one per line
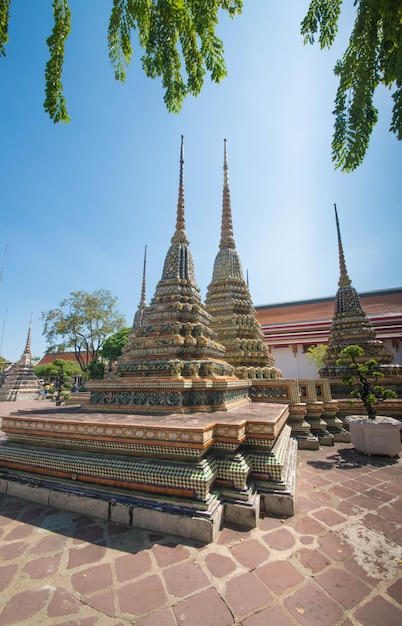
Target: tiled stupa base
199 466
280 500
151 396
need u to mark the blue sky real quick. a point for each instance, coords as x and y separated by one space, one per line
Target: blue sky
80 201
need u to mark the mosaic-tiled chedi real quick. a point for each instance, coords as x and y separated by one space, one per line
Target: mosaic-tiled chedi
229 303
235 322
172 361
350 325
20 382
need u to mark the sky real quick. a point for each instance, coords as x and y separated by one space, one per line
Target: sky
80 201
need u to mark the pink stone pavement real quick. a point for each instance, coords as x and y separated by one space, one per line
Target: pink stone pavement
337 561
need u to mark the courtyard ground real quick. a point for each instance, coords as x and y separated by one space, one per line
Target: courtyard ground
337 561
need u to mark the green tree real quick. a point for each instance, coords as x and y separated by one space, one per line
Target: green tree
177 36
362 379
373 57
51 370
82 322
113 345
96 369
315 354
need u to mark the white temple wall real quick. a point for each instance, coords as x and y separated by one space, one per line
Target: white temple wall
293 362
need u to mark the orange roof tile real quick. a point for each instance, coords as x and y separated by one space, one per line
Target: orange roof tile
376 304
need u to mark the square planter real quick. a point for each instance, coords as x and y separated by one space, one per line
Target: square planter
379 436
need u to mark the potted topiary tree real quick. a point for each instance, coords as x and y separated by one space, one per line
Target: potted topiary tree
370 434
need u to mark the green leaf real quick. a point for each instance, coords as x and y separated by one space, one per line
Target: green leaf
4 18
373 57
55 104
178 39
322 16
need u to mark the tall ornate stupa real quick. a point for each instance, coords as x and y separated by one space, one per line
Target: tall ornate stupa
174 342
20 382
350 324
229 303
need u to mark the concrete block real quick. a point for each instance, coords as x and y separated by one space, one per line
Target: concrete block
279 504
120 513
342 436
27 491
326 439
79 504
203 529
308 443
241 514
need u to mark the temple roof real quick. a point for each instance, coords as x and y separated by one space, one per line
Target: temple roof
383 303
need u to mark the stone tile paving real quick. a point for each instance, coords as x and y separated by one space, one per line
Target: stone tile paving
337 561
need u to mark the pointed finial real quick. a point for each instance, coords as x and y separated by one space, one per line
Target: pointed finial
28 343
139 314
180 234
26 358
248 285
344 280
143 289
227 240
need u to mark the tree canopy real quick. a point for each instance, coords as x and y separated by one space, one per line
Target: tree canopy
83 321
113 345
51 370
178 39
315 354
180 46
373 57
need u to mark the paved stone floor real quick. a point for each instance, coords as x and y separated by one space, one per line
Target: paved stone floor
337 561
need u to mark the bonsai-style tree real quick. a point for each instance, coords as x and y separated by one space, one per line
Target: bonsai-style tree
362 378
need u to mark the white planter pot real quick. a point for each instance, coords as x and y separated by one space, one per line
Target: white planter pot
379 436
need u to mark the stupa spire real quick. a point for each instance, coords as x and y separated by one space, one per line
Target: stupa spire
143 303
180 234
227 239
344 280
26 356
143 289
